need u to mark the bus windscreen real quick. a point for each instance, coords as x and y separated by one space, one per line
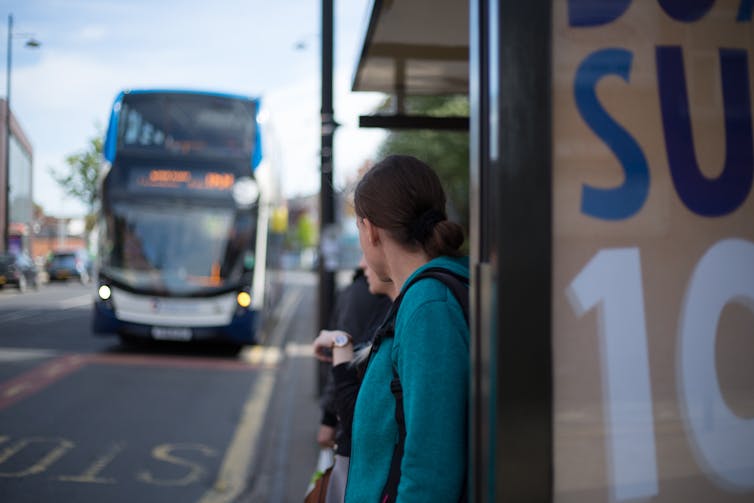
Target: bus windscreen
179 125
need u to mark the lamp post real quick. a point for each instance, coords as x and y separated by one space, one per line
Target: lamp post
326 194
31 43
327 207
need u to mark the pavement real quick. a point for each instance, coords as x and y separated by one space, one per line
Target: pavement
286 452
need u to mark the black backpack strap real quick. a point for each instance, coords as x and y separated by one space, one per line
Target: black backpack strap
390 490
459 287
457 284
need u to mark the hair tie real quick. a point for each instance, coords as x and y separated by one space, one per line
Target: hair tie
423 226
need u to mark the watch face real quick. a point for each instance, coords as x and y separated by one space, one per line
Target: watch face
341 340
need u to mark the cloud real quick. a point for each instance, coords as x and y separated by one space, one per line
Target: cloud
92 33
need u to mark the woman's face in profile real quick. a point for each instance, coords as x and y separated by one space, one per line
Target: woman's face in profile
376 285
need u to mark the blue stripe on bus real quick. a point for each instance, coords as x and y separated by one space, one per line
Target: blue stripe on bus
112 130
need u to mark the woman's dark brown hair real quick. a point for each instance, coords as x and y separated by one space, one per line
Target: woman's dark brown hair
404 196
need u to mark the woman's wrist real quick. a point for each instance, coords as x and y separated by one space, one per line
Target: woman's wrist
342 355
342 348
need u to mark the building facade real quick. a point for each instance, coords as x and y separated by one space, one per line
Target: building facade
16 182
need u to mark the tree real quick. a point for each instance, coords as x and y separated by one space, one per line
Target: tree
446 151
80 180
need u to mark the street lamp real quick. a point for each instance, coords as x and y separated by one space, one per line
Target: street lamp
31 43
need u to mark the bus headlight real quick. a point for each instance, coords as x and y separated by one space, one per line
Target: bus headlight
104 292
243 299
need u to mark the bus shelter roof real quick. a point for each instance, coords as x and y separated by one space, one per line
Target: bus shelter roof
413 48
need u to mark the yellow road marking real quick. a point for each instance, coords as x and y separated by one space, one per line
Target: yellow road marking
234 470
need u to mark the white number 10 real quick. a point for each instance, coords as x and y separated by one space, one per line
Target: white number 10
722 441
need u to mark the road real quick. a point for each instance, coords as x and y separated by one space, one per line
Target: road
84 419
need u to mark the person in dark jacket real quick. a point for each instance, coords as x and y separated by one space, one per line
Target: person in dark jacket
357 312
349 358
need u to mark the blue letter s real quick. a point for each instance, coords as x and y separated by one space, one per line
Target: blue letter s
624 201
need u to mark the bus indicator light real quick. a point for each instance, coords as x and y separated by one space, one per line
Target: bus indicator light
243 299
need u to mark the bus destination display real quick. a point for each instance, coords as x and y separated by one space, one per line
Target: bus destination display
180 179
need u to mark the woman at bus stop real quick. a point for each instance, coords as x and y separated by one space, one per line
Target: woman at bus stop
404 230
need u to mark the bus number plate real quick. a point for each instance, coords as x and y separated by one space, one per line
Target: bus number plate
171 333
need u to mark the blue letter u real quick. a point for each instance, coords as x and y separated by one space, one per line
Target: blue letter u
704 196
623 201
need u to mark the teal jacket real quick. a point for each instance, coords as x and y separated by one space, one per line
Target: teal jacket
430 352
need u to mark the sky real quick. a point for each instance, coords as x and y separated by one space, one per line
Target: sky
62 92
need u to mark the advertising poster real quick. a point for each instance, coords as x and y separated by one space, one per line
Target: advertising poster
653 254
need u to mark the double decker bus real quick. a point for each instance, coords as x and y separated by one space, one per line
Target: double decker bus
186 196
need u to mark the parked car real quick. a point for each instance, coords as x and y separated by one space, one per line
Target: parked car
64 265
18 270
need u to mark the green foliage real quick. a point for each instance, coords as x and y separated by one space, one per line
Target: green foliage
446 151
80 180
306 231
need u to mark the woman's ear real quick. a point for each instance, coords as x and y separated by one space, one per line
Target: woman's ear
373 234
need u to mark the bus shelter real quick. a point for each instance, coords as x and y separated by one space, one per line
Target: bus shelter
612 236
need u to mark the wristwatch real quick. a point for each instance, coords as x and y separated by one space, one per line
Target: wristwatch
341 340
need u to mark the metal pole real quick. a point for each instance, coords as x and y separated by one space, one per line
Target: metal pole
327 206
6 165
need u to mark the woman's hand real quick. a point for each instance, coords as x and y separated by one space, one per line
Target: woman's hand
323 344
323 347
326 436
